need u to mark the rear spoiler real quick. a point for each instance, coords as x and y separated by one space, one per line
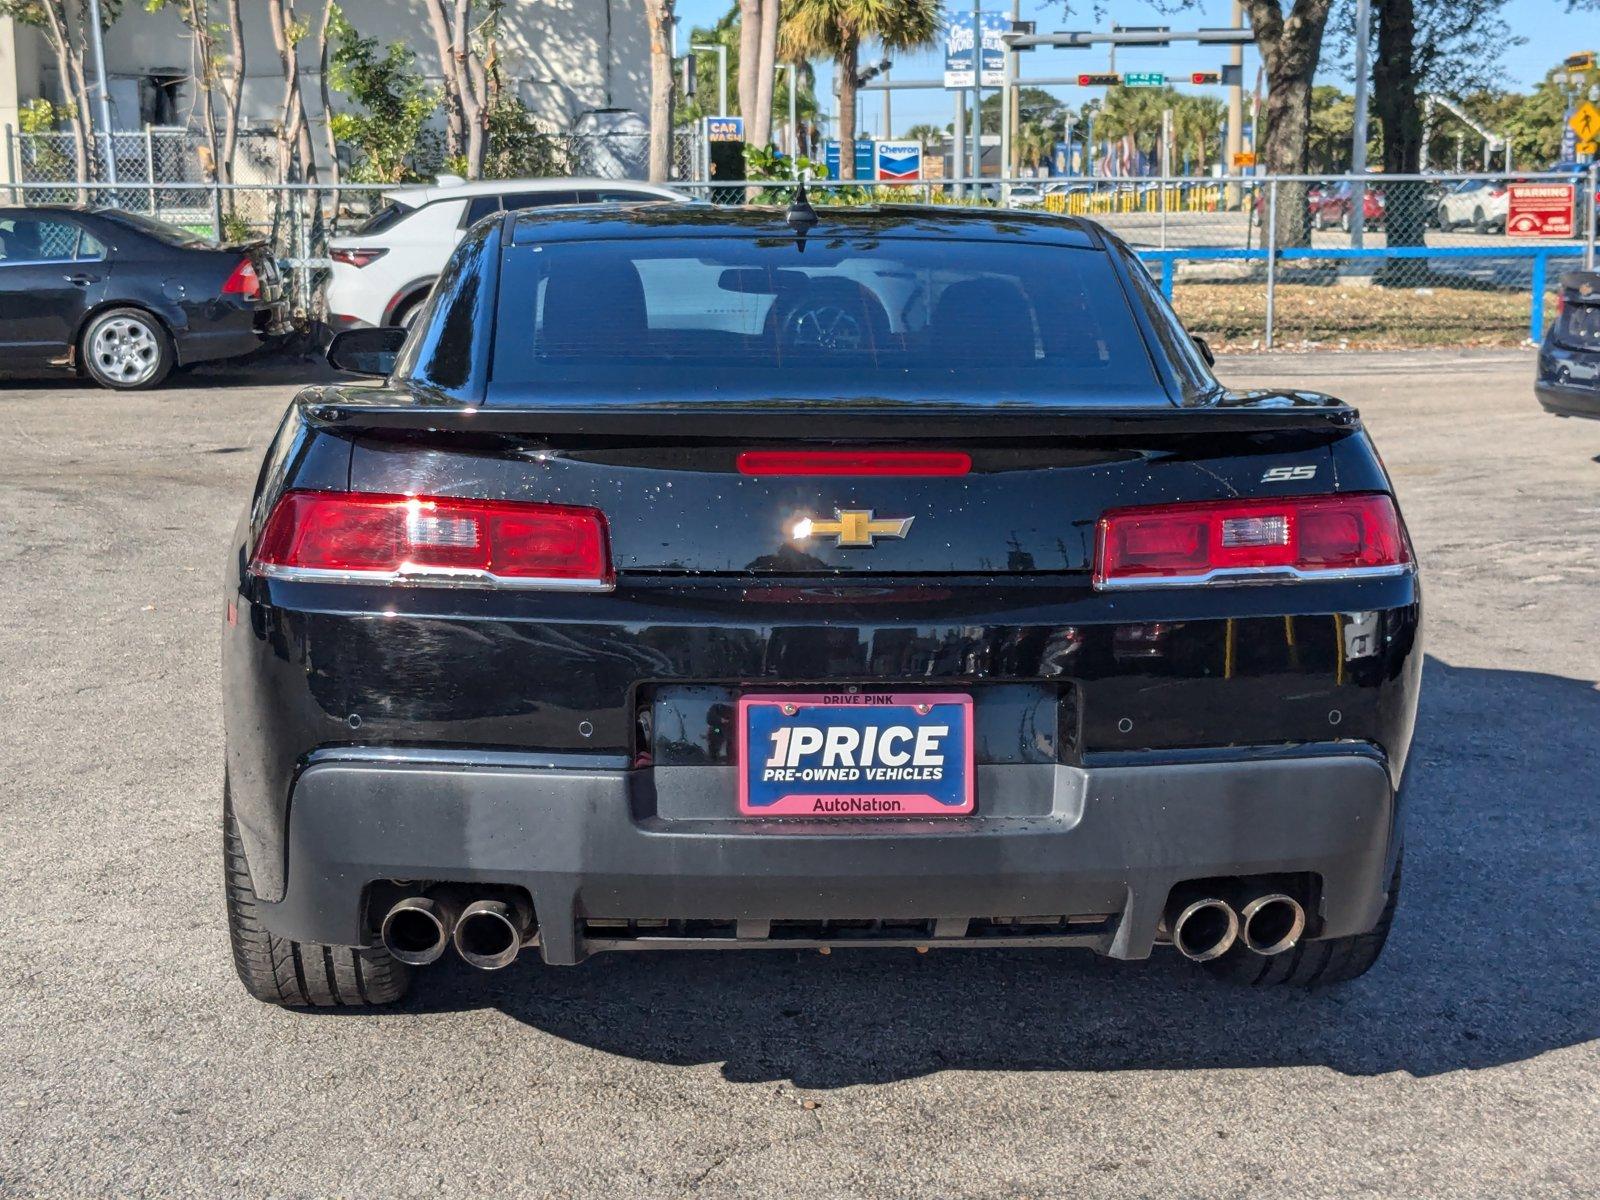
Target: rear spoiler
718 423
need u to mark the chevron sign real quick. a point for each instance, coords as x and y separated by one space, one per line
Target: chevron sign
898 162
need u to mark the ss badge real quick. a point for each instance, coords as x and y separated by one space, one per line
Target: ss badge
1285 474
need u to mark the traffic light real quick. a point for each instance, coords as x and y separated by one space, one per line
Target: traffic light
1099 80
1581 62
1202 77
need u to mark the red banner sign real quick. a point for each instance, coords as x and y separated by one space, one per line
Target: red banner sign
1539 210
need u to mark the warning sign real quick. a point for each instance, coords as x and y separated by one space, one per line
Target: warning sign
1539 210
1585 122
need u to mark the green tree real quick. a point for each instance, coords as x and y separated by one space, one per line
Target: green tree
1196 126
389 135
837 29
64 25
1137 112
925 135
1034 105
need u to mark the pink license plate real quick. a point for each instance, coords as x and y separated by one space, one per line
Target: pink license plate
855 754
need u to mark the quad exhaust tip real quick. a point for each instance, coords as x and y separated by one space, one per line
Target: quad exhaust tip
1272 923
490 934
417 929
1205 929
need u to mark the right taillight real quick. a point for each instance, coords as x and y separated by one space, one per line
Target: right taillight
243 281
363 537
359 256
1292 537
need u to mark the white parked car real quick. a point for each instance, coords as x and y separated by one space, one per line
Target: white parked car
1480 203
383 270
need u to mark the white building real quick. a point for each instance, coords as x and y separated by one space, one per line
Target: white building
564 58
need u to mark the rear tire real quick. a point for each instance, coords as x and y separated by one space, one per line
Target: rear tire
1312 964
126 349
276 970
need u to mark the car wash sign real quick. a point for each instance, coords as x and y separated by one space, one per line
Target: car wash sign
898 162
1539 210
961 50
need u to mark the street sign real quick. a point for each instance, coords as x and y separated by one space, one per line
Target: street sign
1144 79
724 129
960 49
1245 158
1539 210
898 162
863 157
1586 122
1585 149
1102 80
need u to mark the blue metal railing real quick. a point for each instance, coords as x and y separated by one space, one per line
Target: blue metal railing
1540 267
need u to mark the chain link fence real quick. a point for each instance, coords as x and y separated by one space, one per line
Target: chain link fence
1250 263
1308 262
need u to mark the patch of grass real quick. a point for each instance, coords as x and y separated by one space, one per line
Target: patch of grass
1232 316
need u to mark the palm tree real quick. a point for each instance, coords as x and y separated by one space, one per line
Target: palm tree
1135 111
1196 122
658 17
1035 143
925 135
836 29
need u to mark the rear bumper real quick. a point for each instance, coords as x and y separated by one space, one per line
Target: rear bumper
232 331
593 848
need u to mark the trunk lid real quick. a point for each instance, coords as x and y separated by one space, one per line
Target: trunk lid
679 503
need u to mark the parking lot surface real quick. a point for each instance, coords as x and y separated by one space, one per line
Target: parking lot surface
1466 1064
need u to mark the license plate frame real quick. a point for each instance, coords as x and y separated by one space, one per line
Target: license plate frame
897 748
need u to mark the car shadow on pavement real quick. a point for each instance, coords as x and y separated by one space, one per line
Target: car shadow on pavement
1492 959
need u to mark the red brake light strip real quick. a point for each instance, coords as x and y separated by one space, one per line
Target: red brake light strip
855 462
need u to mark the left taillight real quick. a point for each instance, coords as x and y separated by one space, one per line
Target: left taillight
1299 537
356 256
243 281
360 537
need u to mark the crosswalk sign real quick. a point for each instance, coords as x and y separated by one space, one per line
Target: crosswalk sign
1586 122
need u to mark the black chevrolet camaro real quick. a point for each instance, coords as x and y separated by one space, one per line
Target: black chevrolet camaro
889 576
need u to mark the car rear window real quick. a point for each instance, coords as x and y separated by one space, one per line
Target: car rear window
161 231
384 218
724 318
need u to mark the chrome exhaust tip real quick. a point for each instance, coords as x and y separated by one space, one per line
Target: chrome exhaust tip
417 929
1205 929
490 934
1272 923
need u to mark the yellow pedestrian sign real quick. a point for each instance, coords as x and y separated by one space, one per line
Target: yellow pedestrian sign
1586 122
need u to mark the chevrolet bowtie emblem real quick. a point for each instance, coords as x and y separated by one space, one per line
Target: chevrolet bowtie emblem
852 526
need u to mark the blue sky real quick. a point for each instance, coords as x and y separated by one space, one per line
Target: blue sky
1552 33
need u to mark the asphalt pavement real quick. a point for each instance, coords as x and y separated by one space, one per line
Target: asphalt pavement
1465 1064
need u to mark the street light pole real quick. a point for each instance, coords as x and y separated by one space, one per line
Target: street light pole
98 41
722 73
1235 110
1358 139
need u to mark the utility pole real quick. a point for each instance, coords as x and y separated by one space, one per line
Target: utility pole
888 114
1068 121
1235 109
958 140
98 39
977 91
1008 111
1358 139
